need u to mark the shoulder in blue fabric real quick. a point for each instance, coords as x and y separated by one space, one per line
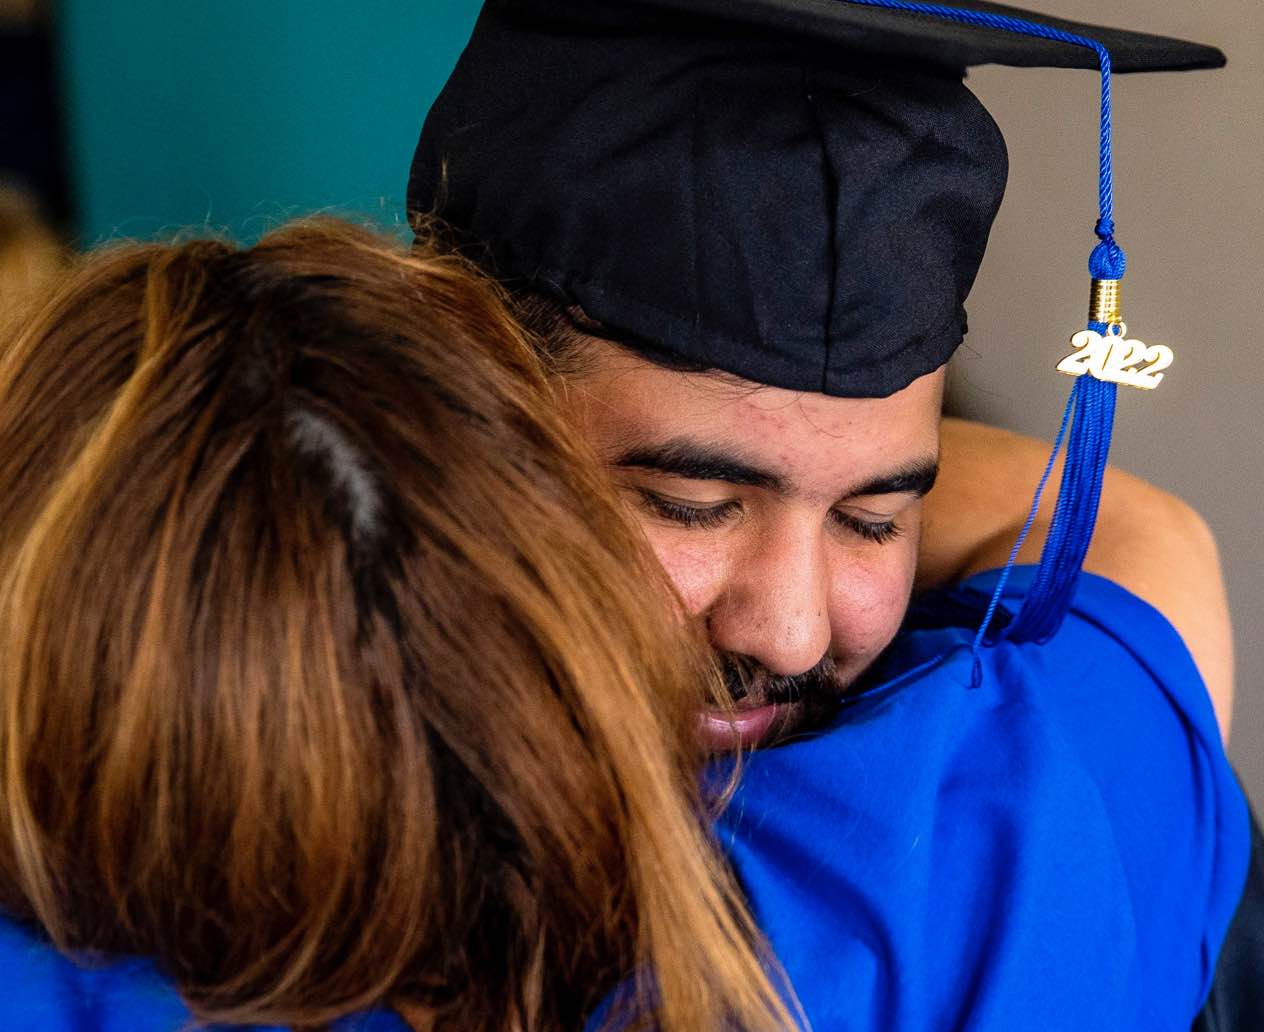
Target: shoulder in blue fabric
1060 849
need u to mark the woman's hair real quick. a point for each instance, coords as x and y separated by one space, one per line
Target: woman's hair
329 673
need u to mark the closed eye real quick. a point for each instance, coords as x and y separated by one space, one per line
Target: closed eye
703 517
877 531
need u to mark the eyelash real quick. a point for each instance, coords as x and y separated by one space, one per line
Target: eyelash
689 515
696 517
879 533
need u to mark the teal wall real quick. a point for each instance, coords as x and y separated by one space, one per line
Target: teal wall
236 114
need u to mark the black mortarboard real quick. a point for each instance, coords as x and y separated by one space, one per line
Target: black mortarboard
797 192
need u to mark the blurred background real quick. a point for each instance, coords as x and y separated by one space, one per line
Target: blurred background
140 118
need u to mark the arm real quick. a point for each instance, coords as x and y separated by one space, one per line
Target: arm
1147 541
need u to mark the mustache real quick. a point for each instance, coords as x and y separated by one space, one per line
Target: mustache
747 679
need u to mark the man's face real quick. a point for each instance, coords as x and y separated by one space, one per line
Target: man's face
788 521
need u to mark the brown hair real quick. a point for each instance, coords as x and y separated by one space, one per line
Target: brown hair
563 334
329 672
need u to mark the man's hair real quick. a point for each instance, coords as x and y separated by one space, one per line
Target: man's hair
563 333
330 673
559 330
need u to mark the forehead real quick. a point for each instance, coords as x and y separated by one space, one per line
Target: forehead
625 401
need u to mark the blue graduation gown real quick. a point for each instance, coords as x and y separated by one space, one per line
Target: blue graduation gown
1059 848
42 991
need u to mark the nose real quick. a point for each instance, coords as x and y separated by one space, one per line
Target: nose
775 607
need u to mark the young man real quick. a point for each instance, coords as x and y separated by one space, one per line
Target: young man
746 232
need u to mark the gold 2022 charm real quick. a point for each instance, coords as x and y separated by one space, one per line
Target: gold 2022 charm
1115 358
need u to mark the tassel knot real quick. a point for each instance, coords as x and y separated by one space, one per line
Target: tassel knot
1108 260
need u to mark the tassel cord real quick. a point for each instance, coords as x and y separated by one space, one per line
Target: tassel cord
976 649
1089 414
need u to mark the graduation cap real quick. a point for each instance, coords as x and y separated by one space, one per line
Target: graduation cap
797 192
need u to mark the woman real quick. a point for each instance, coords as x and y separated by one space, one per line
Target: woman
330 675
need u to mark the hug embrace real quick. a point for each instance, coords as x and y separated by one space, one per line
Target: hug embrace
585 617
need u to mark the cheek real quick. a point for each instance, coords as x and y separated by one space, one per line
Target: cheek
697 571
868 600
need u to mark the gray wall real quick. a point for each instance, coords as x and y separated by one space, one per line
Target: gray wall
1189 152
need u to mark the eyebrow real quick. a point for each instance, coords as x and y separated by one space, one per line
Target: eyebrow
693 460
915 479
696 461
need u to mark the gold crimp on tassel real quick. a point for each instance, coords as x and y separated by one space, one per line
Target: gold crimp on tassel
1104 303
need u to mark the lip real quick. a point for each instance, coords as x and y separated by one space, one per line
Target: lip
728 731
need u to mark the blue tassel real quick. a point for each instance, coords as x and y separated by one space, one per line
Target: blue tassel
1088 449
1090 412
980 638
1074 516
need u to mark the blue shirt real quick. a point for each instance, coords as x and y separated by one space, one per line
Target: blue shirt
1060 848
